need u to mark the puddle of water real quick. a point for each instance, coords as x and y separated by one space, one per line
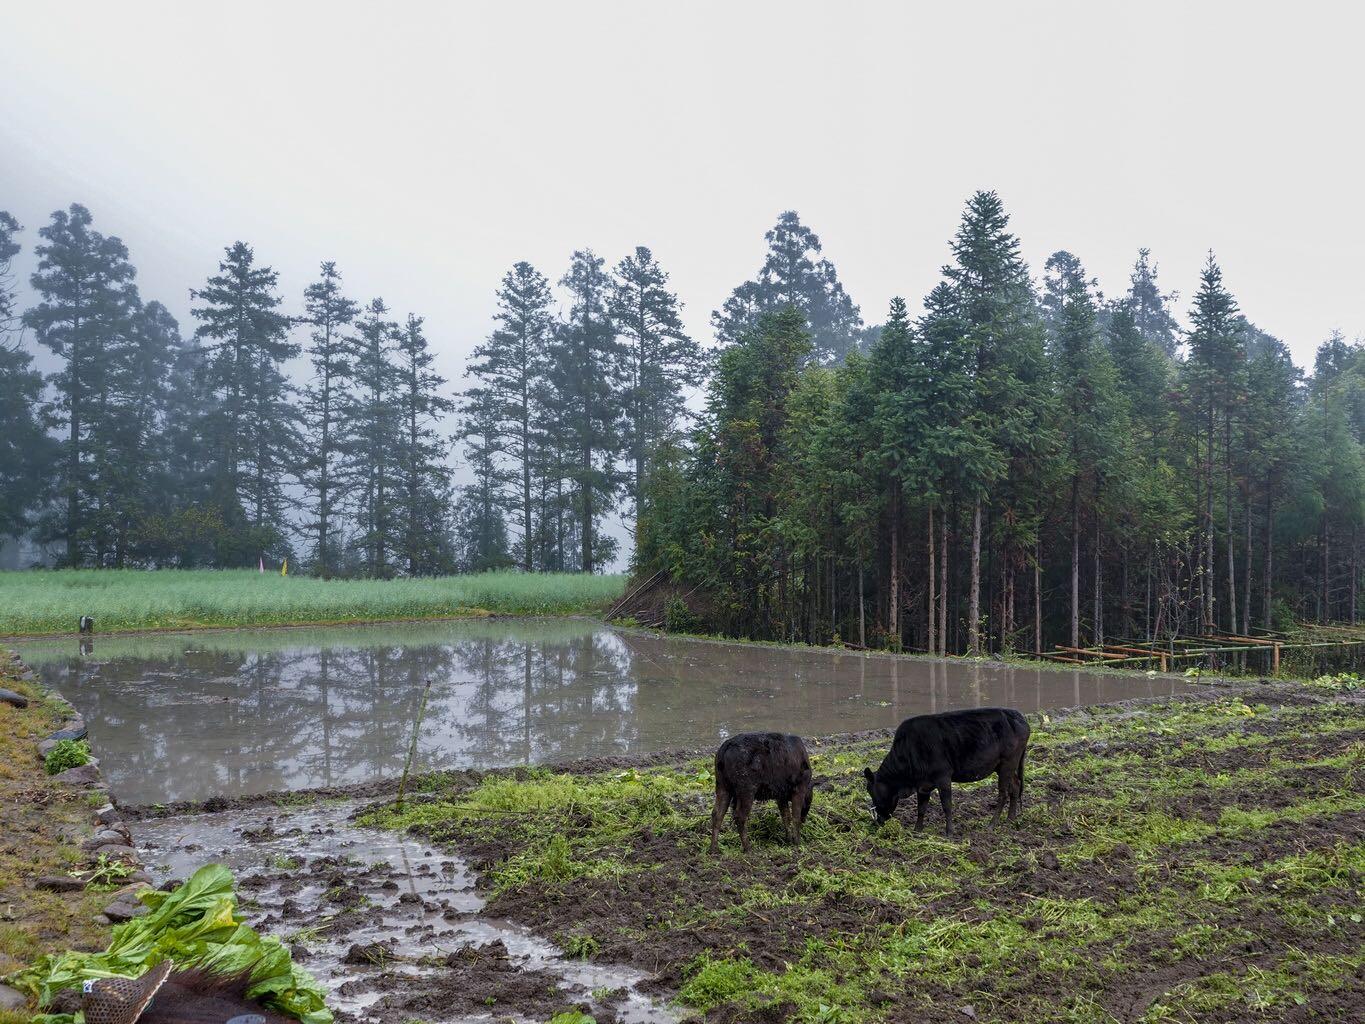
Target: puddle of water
198 715
418 901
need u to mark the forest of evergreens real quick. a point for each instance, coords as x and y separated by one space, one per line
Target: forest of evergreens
1024 461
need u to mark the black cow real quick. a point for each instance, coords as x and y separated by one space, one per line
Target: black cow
933 751
762 766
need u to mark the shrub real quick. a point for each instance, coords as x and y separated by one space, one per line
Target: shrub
67 754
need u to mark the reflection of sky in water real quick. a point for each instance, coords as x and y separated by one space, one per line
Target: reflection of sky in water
187 717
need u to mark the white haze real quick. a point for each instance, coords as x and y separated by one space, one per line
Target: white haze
426 147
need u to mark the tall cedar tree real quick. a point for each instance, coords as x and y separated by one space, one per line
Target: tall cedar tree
510 370
992 300
251 424
587 380
422 453
480 528
26 450
1149 306
374 452
746 416
795 274
326 397
1214 384
1094 422
85 317
661 360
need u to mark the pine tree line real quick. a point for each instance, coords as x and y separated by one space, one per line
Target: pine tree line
149 447
1023 464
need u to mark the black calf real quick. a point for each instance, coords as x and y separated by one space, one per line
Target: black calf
762 766
934 751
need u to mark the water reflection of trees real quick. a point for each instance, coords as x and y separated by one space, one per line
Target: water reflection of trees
232 722
226 720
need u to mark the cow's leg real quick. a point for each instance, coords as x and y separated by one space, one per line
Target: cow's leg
922 804
945 796
1017 789
800 805
744 804
784 810
718 814
1004 792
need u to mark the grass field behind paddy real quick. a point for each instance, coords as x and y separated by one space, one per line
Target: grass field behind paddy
37 602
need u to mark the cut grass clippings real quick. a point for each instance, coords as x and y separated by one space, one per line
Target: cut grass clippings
1195 859
38 602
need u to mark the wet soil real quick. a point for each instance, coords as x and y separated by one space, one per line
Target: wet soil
393 928
661 919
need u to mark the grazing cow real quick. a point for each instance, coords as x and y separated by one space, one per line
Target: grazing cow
933 751
762 766
86 624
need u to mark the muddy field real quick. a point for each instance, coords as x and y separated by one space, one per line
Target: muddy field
1192 859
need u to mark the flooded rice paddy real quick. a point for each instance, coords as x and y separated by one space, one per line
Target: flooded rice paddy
188 717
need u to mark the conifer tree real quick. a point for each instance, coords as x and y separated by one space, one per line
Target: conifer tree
1149 306
422 452
795 274
510 370
251 425
374 439
1094 415
661 361
1215 382
26 450
87 302
329 313
586 378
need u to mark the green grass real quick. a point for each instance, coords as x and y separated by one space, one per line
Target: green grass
1217 838
33 603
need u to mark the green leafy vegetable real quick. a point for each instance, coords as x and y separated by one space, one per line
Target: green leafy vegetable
196 925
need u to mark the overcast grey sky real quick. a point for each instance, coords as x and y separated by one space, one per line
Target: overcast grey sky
426 147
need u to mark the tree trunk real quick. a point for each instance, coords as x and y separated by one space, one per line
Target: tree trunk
1227 511
862 617
895 609
1098 628
1246 549
1075 564
1266 573
931 642
1325 598
974 599
1038 596
942 585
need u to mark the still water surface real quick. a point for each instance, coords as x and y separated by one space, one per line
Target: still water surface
192 716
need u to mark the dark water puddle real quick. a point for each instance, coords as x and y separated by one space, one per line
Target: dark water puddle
389 925
192 716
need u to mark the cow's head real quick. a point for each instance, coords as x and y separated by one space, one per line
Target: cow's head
884 797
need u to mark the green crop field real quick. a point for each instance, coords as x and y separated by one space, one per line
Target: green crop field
33 603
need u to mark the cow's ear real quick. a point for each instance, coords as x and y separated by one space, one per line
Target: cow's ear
867 772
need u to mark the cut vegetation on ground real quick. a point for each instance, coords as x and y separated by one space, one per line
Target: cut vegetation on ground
1197 859
40 602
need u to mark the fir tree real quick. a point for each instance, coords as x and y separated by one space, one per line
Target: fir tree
586 378
250 427
329 313
422 452
795 274
85 317
510 369
26 450
1150 306
375 436
661 360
